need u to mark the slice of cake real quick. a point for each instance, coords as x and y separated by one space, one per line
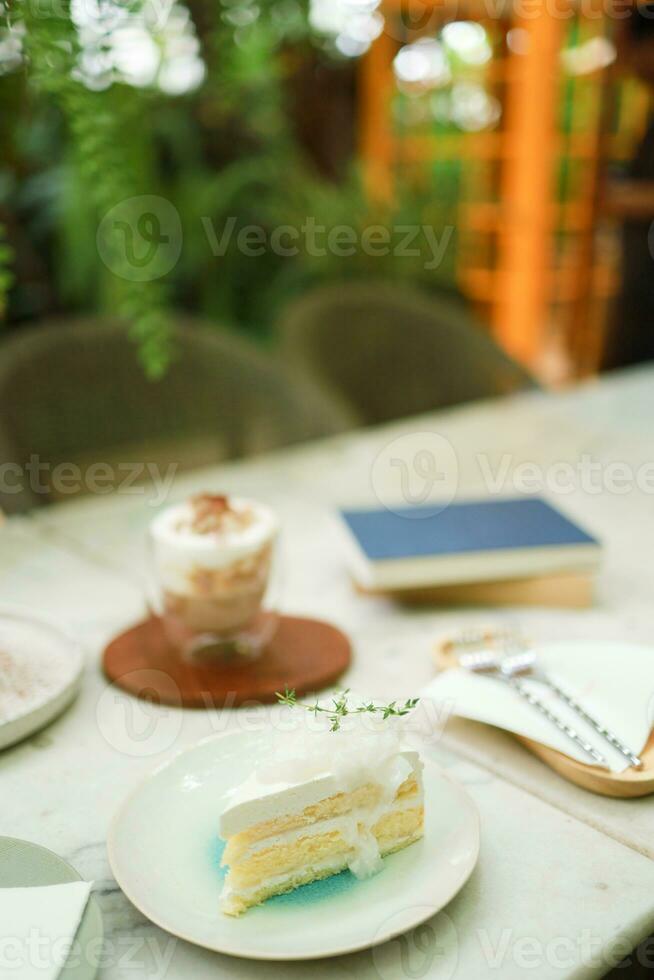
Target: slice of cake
324 803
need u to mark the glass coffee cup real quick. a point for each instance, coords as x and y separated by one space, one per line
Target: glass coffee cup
212 559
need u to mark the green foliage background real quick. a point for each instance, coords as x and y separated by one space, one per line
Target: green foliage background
229 149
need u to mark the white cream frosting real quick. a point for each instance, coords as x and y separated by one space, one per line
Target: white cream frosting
178 550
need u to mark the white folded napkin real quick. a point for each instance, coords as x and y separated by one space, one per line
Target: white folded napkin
37 928
613 681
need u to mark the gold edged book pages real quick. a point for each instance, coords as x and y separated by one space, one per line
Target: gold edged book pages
621 785
567 591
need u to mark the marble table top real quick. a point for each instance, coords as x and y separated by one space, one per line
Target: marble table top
565 883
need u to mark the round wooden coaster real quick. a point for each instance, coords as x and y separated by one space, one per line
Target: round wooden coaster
304 654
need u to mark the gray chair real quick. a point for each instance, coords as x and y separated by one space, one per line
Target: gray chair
74 392
391 350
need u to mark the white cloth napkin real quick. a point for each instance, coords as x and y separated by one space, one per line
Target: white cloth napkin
37 928
613 681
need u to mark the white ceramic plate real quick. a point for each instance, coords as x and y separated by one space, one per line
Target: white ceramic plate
20 631
164 853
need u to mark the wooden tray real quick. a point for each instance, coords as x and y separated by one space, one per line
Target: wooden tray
304 654
625 785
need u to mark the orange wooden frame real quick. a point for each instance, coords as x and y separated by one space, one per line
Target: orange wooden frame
519 289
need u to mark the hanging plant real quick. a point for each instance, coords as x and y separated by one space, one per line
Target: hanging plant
6 274
105 141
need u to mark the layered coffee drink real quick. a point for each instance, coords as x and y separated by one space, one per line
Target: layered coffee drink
212 557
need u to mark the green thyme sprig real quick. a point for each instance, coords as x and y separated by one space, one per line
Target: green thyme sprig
340 708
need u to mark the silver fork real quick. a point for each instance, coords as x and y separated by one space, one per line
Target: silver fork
526 664
486 662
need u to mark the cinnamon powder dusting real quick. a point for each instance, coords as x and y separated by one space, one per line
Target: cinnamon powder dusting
212 513
30 678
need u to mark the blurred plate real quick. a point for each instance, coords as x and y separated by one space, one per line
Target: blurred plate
22 634
26 865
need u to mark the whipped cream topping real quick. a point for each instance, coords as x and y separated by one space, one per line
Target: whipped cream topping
214 513
364 749
196 535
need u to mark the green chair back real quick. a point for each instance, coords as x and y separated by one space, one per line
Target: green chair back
73 391
392 351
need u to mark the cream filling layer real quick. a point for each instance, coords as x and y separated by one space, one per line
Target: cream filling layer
258 801
347 824
363 858
274 881
339 863
179 551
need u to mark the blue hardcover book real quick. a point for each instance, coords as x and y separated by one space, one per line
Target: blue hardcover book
474 541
